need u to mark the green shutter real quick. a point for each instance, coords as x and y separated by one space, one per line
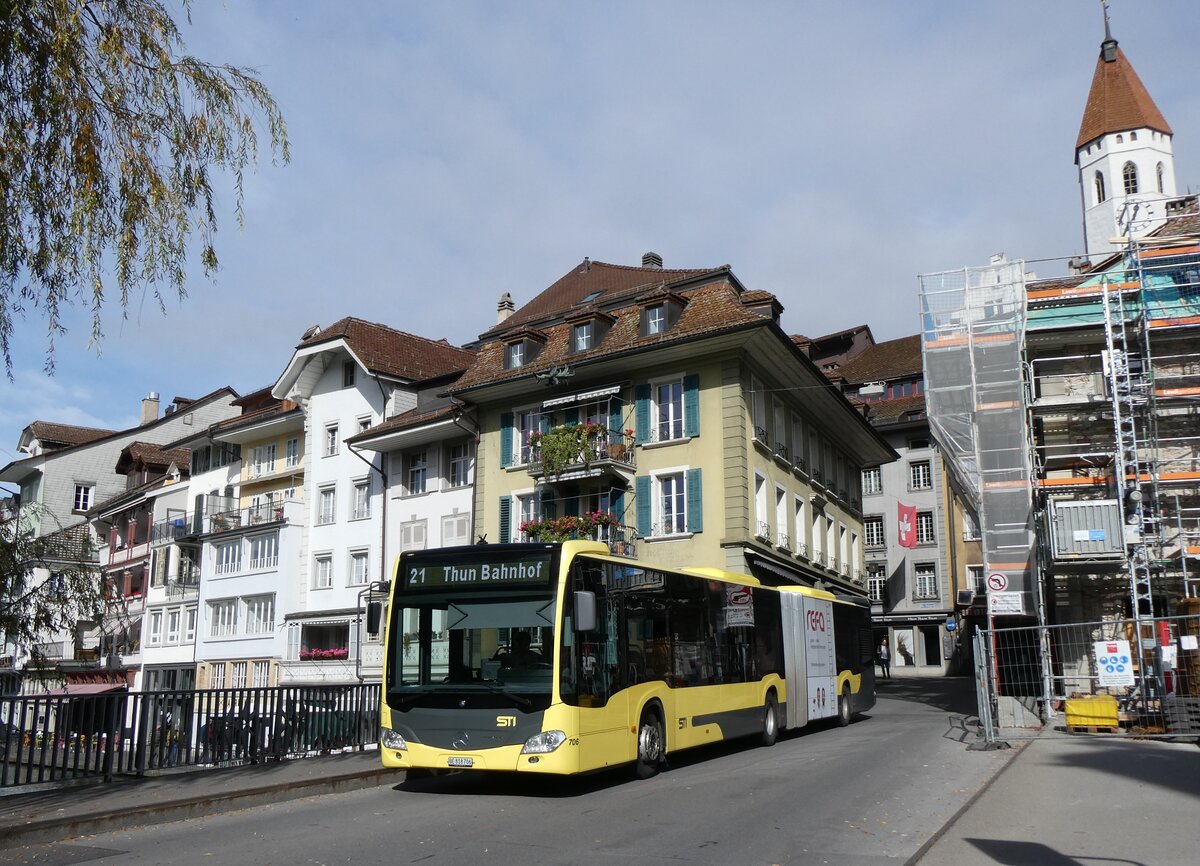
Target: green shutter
691 405
616 504
614 420
505 518
695 502
641 394
642 495
506 437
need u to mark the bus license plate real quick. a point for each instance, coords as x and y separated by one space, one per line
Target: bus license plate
461 762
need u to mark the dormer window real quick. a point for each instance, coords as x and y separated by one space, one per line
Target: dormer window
347 374
658 317
581 337
521 349
656 320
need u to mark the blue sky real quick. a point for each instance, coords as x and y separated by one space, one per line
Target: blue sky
445 153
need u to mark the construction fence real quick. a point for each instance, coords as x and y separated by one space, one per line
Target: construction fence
1117 677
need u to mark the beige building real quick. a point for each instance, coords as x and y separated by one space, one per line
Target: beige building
667 412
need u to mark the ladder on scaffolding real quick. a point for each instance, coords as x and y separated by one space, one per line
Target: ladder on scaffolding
1129 387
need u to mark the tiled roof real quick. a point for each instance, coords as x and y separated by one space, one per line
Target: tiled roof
249 419
891 359
712 308
49 432
1117 101
415 417
154 455
599 279
896 410
394 353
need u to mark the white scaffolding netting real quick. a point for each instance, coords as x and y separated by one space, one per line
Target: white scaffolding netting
973 322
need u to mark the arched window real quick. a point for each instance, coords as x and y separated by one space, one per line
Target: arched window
1159 171
1120 139
1129 175
1133 136
1100 196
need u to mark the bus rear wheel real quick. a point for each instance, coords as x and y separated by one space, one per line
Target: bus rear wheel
649 745
844 707
770 725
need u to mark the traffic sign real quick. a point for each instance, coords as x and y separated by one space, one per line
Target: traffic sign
997 582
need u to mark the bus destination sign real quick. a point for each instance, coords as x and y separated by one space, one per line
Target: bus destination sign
483 574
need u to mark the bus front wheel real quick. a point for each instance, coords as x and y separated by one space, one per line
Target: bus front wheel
770 725
844 707
649 745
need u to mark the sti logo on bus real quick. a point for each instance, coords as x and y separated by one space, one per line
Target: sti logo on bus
816 620
506 721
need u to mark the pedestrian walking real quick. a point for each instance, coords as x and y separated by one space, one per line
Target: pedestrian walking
885 659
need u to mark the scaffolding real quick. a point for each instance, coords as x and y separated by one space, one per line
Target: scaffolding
973 324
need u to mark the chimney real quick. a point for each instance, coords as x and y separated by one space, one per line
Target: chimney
150 407
505 308
652 260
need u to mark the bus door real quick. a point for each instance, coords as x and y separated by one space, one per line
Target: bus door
592 675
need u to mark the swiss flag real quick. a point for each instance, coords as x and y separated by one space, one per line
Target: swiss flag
906 522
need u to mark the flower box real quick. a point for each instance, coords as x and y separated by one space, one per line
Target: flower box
324 655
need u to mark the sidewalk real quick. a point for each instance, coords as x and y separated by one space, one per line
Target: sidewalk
57 813
1076 801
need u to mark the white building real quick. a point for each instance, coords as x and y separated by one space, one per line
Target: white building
346 379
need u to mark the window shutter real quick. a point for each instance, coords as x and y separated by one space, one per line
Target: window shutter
571 416
505 519
695 502
353 645
293 641
506 439
642 410
616 433
691 405
616 504
642 496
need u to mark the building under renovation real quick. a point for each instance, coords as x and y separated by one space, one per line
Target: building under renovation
1069 410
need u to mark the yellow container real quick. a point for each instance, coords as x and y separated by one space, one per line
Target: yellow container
1094 711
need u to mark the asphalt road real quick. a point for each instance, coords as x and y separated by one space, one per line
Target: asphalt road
878 789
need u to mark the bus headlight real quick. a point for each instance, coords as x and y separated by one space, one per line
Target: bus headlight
540 744
392 740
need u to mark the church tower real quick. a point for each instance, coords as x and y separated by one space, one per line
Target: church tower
1126 165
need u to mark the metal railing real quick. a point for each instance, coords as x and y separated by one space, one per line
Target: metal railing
57 738
602 449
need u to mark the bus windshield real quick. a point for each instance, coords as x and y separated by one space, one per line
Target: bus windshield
476 619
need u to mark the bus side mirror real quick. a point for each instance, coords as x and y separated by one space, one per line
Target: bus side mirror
585 611
374 616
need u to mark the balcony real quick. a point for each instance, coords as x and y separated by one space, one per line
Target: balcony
621 539
580 450
244 518
186 583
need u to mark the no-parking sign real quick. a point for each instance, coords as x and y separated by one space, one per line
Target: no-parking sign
1114 664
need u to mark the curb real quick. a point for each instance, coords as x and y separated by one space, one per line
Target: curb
57 829
945 828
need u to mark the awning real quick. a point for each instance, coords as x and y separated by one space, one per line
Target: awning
594 394
81 689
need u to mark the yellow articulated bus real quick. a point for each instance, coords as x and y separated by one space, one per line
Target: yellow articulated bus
560 658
